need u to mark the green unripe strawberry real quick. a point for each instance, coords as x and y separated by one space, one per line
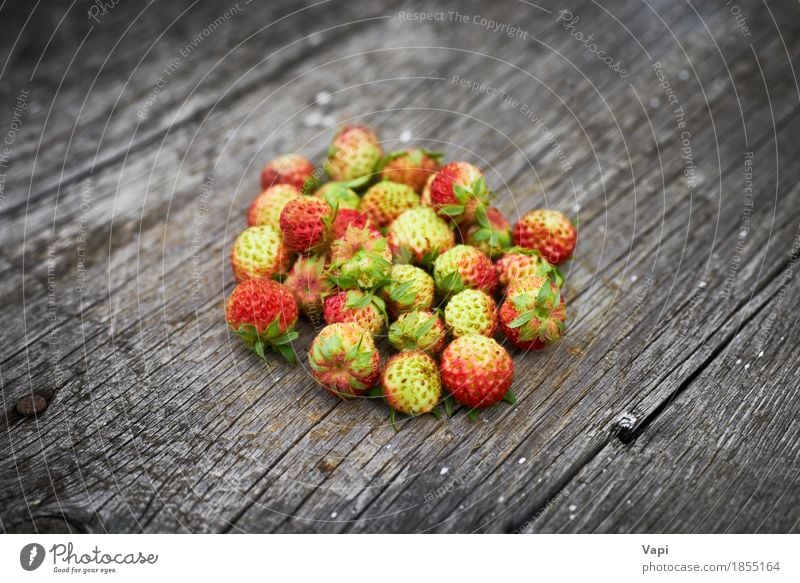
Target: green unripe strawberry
418 236
360 259
411 289
354 153
471 311
385 201
411 383
418 331
260 253
344 360
463 267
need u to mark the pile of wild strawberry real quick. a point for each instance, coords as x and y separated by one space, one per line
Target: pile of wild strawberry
419 253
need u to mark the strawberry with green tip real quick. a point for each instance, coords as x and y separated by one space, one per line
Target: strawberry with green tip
287 169
491 232
518 262
344 360
458 190
418 331
259 253
365 309
263 313
306 224
548 231
360 259
463 267
533 314
266 208
309 283
411 383
385 201
471 311
476 370
410 289
354 153
418 236
412 167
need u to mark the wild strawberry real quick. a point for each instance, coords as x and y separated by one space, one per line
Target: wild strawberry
471 311
533 314
491 232
411 383
259 253
306 223
347 217
463 267
287 169
354 153
518 262
344 360
263 313
366 310
266 207
425 196
385 201
476 370
418 236
410 289
360 259
418 331
458 190
549 232
412 167
338 196
309 284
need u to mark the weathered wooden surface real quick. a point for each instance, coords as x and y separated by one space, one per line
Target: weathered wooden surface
118 211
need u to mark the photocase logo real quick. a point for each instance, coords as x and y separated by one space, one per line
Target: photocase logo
31 556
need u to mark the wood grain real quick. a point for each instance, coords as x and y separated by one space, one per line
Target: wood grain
160 422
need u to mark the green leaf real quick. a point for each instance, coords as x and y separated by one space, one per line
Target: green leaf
473 414
435 413
545 296
451 283
479 186
357 300
510 397
375 392
258 347
482 235
482 218
433 155
462 194
452 210
426 326
401 292
392 420
521 320
448 405
288 353
287 338
356 182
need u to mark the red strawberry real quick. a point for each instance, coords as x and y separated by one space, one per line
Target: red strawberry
411 383
259 253
347 217
491 232
263 313
360 259
287 169
476 370
412 167
306 223
344 360
533 314
309 284
386 201
355 306
458 190
463 267
266 207
518 262
354 153
549 232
